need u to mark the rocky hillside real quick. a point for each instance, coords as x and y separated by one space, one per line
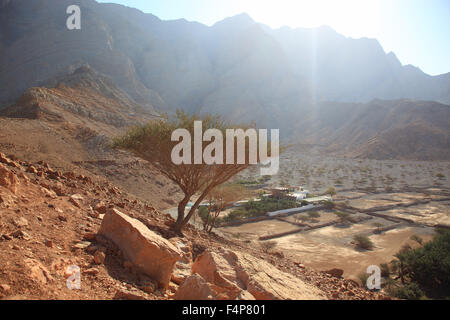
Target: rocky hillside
51 220
70 124
400 129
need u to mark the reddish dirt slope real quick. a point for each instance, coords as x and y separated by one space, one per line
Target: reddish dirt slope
46 216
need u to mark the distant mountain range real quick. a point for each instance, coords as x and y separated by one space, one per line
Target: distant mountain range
237 67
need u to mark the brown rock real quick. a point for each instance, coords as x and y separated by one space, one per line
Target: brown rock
59 189
48 193
92 213
100 207
90 236
75 202
245 295
20 222
337 273
20 235
69 175
91 271
195 288
126 295
37 271
99 257
149 252
22 176
32 169
182 268
233 272
4 288
8 179
148 287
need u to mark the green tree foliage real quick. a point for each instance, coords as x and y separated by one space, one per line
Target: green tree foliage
411 291
259 208
429 265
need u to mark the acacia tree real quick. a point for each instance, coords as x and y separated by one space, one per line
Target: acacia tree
153 142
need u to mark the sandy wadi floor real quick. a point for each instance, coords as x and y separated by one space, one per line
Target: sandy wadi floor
405 197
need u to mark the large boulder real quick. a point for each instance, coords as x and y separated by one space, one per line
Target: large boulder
147 251
232 272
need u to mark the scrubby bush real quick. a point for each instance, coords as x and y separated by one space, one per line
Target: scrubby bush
260 208
363 242
363 278
411 291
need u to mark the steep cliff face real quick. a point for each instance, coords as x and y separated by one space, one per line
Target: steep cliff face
171 64
38 47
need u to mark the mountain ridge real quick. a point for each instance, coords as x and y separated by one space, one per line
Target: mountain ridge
135 44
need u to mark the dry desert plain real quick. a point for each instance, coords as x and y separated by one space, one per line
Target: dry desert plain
391 200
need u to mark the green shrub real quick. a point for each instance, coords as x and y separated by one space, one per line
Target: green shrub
411 291
429 266
363 242
363 278
260 208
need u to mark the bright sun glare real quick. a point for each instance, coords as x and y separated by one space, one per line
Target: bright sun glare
353 17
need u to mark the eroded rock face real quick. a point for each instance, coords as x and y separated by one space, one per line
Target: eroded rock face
182 269
234 272
147 251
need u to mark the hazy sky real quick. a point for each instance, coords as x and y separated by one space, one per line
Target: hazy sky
417 31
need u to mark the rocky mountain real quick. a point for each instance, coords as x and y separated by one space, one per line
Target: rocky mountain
235 64
315 84
380 129
70 124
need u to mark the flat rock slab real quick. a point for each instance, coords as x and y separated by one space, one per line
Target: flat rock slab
229 273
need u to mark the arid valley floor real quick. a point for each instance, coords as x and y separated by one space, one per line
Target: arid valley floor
391 199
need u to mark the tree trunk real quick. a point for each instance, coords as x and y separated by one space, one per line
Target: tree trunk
195 206
181 208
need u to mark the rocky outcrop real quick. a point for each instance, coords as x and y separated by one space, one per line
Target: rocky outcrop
8 179
147 251
37 271
195 288
182 268
233 272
